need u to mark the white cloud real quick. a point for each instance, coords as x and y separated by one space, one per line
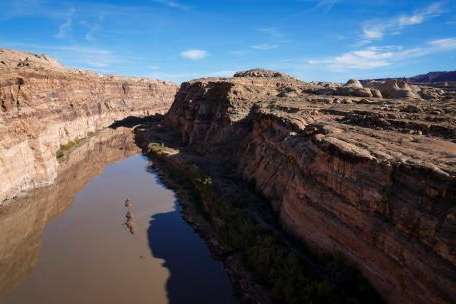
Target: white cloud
376 30
410 20
375 57
264 46
194 54
444 43
87 57
66 27
271 31
362 59
373 32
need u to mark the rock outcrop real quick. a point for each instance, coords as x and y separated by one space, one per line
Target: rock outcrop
371 178
395 89
354 88
44 106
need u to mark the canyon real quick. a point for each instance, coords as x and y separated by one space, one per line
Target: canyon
365 170
50 242
45 106
345 169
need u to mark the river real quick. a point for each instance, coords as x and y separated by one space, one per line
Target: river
81 241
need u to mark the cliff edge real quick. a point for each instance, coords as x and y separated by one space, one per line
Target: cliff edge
44 106
368 171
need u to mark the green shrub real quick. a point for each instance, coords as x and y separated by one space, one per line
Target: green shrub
274 263
66 147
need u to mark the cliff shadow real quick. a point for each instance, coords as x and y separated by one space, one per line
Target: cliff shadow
194 276
133 121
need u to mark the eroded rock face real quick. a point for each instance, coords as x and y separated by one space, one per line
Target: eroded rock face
44 106
395 89
354 83
371 178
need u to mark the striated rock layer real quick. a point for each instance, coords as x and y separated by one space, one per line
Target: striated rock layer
44 106
372 178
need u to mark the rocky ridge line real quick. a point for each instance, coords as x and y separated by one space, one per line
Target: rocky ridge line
44 106
346 170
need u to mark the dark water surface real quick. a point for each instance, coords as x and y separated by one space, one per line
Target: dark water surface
81 251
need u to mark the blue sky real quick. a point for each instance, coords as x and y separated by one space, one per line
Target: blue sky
177 40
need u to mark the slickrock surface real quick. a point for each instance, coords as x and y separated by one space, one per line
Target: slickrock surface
44 106
373 178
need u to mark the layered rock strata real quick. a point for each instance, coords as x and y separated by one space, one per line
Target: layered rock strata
372 178
44 106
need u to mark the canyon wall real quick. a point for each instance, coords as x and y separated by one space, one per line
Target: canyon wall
44 106
370 177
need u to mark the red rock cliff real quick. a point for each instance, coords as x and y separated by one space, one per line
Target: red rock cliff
43 106
371 178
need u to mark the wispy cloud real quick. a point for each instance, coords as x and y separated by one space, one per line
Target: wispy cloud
375 57
447 43
66 27
264 46
172 4
376 30
87 57
194 54
273 32
92 28
76 55
326 5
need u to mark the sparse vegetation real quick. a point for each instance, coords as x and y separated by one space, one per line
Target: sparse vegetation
66 147
280 267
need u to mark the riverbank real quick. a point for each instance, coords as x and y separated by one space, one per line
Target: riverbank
78 240
265 264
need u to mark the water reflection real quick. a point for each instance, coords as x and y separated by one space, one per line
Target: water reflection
22 221
87 253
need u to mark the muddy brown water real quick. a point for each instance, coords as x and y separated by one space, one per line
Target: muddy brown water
63 247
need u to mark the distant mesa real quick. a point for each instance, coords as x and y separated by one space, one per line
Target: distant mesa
434 77
428 78
260 73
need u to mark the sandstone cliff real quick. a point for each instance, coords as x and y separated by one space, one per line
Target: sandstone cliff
43 106
370 177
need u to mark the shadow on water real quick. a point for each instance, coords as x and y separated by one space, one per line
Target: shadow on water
194 276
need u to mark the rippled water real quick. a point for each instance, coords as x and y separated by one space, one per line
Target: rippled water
71 244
